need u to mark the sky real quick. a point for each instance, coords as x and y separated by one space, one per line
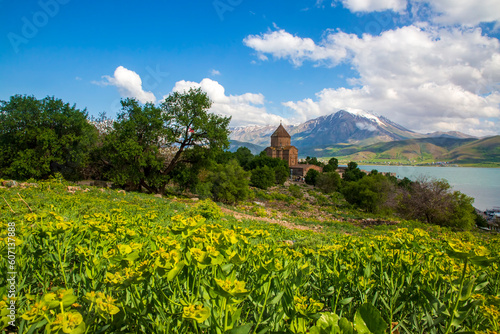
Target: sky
429 65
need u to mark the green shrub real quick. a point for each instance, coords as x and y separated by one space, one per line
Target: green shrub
208 209
312 177
295 191
262 177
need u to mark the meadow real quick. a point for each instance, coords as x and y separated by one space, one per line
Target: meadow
92 260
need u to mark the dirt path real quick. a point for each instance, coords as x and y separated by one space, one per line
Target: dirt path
283 223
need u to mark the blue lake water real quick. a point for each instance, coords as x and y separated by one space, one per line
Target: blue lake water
483 184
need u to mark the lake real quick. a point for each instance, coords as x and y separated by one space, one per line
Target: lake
483 184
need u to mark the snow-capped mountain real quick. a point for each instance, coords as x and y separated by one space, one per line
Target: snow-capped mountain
353 127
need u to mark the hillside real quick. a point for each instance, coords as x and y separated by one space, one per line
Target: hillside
112 261
255 149
485 150
421 150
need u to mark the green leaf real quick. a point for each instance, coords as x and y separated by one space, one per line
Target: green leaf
346 326
277 298
467 290
483 261
368 320
346 301
175 270
244 329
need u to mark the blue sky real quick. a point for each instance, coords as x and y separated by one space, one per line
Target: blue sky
430 66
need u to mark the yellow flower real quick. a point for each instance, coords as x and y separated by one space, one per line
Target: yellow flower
199 313
234 288
67 321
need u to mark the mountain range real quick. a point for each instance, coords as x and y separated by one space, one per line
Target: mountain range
363 136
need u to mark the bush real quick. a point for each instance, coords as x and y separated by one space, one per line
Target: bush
208 209
312 177
281 174
371 193
434 203
229 183
295 191
262 177
328 182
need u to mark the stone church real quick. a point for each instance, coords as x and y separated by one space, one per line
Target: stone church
281 147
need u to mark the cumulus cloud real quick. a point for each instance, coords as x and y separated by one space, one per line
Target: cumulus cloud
424 77
465 12
448 12
374 5
283 45
129 84
245 109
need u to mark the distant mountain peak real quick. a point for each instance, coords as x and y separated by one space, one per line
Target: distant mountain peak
361 113
346 126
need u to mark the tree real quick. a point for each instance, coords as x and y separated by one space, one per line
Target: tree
263 177
244 156
352 172
332 165
372 193
148 142
313 161
433 202
280 167
41 137
190 124
281 173
328 182
311 177
229 183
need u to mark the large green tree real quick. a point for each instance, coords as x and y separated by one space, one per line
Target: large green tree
148 142
434 202
41 137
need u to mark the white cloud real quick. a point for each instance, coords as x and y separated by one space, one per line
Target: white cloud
245 109
283 45
466 12
214 72
374 5
423 77
129 84
448 12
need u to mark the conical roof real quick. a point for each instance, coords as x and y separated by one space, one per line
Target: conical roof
280 132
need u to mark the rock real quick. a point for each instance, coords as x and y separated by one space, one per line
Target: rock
158 195
10 183
72 189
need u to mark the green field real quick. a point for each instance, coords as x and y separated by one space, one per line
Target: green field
95 260
464 152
